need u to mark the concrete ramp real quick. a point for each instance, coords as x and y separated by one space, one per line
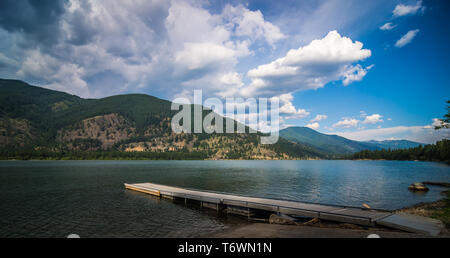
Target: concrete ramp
412 223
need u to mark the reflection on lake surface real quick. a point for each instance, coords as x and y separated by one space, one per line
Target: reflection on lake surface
57 198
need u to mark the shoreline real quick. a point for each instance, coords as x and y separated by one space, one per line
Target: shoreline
325 229
265 230
150 159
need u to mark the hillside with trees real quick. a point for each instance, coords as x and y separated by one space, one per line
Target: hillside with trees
432 152
38 123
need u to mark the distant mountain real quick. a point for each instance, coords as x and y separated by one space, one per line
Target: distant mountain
332 144
395 144
40 122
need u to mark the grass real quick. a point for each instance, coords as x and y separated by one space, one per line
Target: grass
443 214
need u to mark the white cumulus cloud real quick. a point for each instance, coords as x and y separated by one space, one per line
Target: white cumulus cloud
354 74
252 24
347 123
288 109
310 67
313 126
373 119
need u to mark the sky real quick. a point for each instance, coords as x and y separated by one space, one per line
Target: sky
365 70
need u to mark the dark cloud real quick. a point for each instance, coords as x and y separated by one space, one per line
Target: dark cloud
37 19
82 32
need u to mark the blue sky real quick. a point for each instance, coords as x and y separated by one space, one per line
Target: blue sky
361 69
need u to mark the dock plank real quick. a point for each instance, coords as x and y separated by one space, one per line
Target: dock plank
412 223
353 215
333 213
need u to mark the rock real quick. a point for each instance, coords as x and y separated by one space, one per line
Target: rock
366 206
281 220
418 187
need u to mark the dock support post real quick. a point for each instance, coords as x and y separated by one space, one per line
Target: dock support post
185 201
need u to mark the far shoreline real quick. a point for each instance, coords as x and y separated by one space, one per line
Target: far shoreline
123 159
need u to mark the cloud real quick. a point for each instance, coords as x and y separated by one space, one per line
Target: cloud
313 126
347 123
407 38
288 109
412 133
373 119
319 118
251 24
6 61
422 134
437 123
37 20
354 74
100 48
388 26
309 67
309 20
402 10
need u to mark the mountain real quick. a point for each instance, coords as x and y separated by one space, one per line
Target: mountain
332 144
42 123
395 144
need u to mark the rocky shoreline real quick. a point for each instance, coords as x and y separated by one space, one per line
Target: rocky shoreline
324 229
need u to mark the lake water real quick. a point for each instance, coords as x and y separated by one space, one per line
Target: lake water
57 198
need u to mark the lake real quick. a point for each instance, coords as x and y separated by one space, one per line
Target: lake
58 198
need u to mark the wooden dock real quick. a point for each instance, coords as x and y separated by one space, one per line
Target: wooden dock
245 205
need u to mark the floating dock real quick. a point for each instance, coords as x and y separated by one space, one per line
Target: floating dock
226 202
243 205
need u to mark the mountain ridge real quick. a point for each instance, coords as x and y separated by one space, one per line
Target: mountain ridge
36 118
395 144
335 144
37 122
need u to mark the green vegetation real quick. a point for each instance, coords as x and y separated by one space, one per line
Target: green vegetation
37 123
338 146
444 213
332 144
394 144
40 123
446 120
433 152
24 154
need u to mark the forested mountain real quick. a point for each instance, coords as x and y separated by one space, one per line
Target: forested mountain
41 123
432 152
332 144
337 145
395 144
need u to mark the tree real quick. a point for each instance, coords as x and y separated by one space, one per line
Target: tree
445 122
